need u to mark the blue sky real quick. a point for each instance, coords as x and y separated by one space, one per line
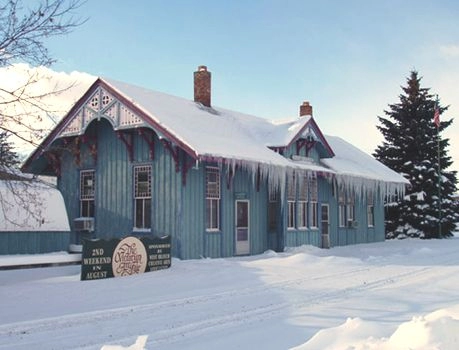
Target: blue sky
348 58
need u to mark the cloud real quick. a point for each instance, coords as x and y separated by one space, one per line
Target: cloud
46 96
450 50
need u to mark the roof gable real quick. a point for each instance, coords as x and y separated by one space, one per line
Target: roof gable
101 103
204 133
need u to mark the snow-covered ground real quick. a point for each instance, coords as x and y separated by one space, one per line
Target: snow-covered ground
391 295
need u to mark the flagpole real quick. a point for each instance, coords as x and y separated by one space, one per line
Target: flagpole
437 123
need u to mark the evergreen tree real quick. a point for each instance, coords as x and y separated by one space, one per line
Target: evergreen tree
413 147
8 158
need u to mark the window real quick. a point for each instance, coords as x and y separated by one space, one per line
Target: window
302 202
291 215
341 209
212 199
87 190
313 202
342 215
350 209
272 210
314 210
303 214
291 204
142 196
370 210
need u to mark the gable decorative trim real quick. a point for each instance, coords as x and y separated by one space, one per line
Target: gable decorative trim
101 104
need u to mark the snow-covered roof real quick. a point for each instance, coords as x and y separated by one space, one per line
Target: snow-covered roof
214 132
31 206
234 138
354 165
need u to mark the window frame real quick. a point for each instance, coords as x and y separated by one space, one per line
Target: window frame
273 210
370 210
291 215
314 202
350 210
291 203
87 200
142 198
303 214
342 217
314 212
213 198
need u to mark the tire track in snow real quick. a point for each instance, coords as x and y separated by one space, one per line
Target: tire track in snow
245 315
27 327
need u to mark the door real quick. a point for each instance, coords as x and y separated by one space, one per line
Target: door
242 227
325 225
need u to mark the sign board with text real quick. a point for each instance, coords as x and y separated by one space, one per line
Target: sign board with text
123 257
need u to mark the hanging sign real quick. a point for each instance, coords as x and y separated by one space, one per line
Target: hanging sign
124 257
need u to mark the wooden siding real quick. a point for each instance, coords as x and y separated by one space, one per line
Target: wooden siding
14 242
292 150
192 229
295 237
196 241
179 210
362 233
114 209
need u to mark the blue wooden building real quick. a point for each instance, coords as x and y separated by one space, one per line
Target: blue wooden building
131 161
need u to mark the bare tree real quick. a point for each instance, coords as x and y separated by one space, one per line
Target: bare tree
24 28
23 31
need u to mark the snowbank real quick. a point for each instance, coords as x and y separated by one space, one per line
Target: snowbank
438 330
398 294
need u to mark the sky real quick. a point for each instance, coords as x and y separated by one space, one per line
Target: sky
347 58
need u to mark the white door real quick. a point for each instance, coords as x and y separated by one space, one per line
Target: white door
242 227
325 226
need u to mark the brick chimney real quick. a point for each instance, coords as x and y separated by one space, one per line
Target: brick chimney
305 109
202 86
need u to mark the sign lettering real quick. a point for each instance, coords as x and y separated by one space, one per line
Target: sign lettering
123 257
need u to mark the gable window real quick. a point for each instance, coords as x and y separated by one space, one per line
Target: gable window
291 204
212 199
341 209
350 210
87 190
302 203
314 193
142 196
370 210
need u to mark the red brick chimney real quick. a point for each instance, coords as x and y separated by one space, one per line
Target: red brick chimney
202 86
305 109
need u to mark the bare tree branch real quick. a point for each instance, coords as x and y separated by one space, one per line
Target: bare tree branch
24 105
23 30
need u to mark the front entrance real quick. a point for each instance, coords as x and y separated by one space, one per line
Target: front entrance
242 227
325 225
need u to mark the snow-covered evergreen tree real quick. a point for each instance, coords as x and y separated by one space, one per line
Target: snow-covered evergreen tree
8 158
412 143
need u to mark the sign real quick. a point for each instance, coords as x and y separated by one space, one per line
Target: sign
124 257
240 195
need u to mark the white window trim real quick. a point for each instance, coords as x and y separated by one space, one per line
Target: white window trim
342 215
350 212
305 206
291 202
372 213
147 196
314 204
213 198
87 198
217 228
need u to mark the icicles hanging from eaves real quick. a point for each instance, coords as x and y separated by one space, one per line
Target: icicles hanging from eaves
361 187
